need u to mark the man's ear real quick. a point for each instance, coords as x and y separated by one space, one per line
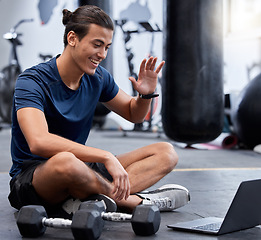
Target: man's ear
71 38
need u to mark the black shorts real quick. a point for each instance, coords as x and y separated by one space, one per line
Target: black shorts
23 193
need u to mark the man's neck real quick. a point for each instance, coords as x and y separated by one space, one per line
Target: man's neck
68 71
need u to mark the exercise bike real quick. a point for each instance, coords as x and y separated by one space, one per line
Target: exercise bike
9 74
153 119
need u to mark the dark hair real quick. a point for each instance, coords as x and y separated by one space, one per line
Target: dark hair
80 20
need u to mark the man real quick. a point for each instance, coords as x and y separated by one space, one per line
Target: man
54 104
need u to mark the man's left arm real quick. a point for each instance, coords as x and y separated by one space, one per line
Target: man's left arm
136 108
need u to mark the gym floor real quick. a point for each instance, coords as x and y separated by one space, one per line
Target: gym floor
212 176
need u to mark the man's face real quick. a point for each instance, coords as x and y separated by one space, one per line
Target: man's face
92 48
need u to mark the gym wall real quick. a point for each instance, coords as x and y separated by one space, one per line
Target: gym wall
43 35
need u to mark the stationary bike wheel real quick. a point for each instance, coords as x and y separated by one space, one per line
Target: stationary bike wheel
7 86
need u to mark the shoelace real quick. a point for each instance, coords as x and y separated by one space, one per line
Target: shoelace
163 203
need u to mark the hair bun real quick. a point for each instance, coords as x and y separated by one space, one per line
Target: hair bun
66 16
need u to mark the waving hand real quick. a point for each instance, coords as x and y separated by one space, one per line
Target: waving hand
148 76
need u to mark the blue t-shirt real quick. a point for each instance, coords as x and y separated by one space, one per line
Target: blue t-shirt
68 112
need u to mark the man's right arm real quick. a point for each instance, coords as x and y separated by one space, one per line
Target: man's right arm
42 143
33 124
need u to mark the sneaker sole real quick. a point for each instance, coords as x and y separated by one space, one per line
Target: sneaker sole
173 186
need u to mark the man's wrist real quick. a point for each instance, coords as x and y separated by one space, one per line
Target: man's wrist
148 96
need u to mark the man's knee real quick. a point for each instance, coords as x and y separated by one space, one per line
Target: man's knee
169 157
65 165
63 175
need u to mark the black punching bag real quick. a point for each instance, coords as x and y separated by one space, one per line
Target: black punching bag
246 114
192 86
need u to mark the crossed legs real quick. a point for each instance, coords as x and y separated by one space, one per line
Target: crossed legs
65 175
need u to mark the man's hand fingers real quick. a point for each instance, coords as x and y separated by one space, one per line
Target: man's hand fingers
116 186
149 63
121 187
160 67
142 65
153 64
128 189
120 192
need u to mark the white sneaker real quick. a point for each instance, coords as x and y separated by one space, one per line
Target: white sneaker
257 148
167 197
72 204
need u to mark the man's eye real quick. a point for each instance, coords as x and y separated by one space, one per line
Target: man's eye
97 45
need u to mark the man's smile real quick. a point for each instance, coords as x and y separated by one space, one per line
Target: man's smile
95 61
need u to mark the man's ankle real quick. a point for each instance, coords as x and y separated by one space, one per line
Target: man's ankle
130 204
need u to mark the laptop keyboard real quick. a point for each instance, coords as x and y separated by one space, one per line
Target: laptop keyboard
209 227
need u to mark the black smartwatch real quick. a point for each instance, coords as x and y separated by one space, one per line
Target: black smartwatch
149 96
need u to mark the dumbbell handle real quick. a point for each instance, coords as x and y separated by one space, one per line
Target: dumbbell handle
117 217
66 223
56 222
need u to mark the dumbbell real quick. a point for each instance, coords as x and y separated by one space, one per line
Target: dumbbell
145 219
32 222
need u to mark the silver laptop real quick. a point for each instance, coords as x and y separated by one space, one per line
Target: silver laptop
243 213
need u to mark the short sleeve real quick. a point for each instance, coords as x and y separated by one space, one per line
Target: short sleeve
110 88
28 93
